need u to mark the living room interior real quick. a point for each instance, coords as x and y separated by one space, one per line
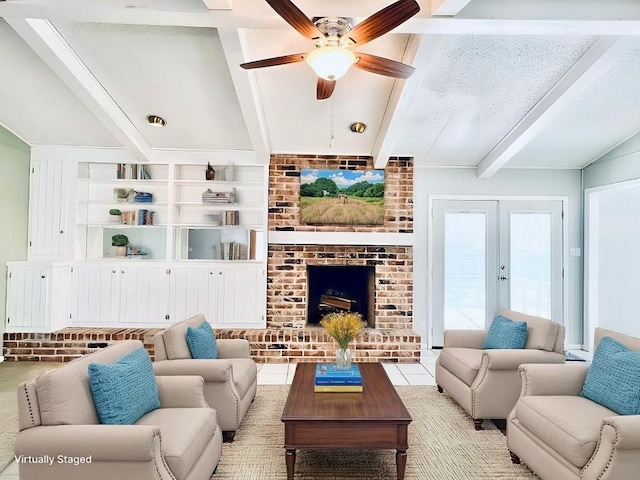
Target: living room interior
509 158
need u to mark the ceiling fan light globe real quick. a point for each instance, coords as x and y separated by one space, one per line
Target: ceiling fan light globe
331 62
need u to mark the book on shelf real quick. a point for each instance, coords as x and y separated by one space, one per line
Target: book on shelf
252 245
231 251
231 217
132 171
337 388
329 374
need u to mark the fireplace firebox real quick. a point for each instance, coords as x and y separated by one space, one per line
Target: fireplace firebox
340 288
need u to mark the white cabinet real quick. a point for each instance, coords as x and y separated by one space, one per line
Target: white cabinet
241 296
51 192
38 297
229 296
118 294
193 290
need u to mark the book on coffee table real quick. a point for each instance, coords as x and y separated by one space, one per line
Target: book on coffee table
337 388
327 374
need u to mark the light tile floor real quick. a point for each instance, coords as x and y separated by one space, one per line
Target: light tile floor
422 373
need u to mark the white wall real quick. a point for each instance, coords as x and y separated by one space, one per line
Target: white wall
507 182
612 301
14 207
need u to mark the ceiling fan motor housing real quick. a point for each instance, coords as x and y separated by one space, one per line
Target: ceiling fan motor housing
333 29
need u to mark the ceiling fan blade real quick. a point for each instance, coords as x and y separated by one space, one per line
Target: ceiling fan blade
294 17
383 66
382 22
272 62
324 88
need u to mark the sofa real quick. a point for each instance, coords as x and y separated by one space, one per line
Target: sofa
230 381
560 434
486 383
61 436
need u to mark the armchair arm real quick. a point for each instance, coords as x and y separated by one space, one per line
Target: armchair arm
233 348
618 451
548 379
211 370
464 338
184 391
511 359
128 443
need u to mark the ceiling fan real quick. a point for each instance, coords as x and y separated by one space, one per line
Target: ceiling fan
334 39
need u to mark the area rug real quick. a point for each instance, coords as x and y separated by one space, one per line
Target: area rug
443 445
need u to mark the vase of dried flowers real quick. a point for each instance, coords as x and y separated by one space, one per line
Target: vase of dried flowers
343 328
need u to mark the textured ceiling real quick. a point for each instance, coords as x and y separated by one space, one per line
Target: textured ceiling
502 84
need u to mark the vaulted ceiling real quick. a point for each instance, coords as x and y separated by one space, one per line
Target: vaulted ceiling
498 83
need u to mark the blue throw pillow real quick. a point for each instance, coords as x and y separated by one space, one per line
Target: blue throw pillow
613 379
504 333
202 341
123 391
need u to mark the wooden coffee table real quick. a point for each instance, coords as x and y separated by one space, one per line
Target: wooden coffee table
375 418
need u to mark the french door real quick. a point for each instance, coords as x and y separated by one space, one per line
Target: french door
494 254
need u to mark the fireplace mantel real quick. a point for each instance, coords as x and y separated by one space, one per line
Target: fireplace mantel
340 238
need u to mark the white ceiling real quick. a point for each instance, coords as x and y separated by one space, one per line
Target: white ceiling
498 84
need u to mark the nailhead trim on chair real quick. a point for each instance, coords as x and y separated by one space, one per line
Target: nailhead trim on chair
613 449
161 458
26 394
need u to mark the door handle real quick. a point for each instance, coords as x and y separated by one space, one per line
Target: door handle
502 277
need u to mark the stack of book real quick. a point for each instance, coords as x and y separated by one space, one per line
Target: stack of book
331 379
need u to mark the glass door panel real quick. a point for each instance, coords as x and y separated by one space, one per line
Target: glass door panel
530 261
465 265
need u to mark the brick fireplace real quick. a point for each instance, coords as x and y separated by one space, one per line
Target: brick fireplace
388 269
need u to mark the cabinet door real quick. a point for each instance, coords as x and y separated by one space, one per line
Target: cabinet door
241 293
51 205
143 294
191 293
28 299
97 289
113 295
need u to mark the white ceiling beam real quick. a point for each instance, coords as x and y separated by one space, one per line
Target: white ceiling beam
419 51
219 4
604 52
233 44
58 55
255 14
447 7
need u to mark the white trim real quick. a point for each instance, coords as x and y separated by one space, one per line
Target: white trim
340 238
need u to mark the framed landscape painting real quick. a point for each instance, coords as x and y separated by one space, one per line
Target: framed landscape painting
348 197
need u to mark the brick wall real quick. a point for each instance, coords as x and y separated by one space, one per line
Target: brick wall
284 192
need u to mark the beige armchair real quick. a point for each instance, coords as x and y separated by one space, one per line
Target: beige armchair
61 438
486 383
230 381
560 434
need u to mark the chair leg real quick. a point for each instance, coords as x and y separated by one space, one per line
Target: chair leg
439 389
477 423
514 458
228 437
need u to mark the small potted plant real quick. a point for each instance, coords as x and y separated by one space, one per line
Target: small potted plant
116 215
122 194
120 242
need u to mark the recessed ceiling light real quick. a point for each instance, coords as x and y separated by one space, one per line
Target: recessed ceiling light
156 121
357 127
